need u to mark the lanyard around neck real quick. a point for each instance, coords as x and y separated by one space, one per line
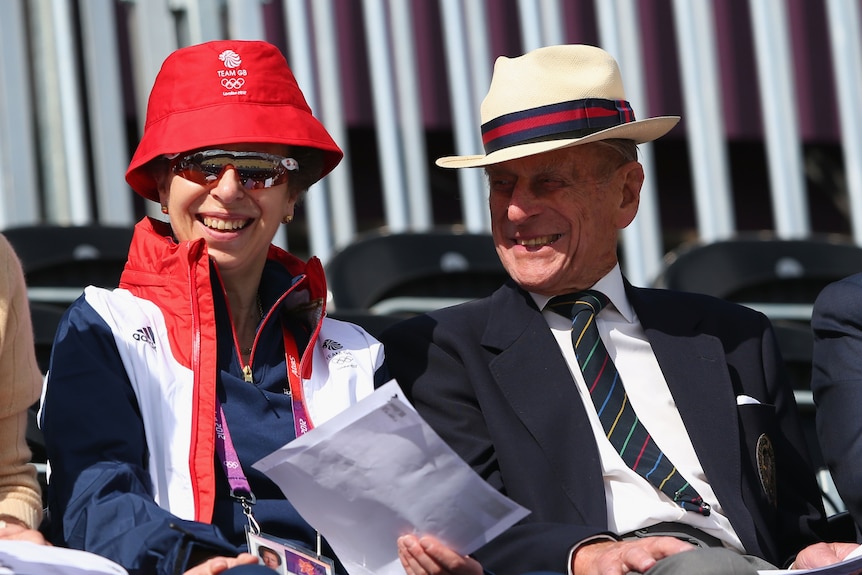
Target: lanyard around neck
301 422
236 479
240 489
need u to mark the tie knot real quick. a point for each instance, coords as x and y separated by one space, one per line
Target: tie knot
570 305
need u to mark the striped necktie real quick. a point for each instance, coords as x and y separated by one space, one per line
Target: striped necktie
623 428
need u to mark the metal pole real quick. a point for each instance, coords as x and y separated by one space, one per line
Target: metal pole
845 35
246 20
704 121
464 107
778 106
71 108
417 188
642 239
301 63
391 162
338 185
108 134
18 193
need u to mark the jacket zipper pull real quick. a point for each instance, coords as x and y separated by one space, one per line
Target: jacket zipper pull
246 374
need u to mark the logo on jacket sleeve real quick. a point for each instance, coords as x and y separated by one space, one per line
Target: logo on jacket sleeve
146 335
336 355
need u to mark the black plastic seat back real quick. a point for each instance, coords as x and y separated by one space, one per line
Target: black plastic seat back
413 272
761 270
59 261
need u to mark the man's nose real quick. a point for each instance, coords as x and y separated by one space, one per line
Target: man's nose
523 203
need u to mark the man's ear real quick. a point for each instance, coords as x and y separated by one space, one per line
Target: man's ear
631 177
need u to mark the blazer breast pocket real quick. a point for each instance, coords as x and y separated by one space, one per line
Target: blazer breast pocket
759 433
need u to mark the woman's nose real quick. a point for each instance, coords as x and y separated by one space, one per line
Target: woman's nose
229 187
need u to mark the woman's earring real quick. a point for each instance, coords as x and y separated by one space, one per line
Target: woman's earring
164 209
287 219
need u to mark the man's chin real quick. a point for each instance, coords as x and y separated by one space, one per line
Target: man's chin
535 283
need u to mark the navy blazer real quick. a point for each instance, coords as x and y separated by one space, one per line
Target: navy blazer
836 380
489 377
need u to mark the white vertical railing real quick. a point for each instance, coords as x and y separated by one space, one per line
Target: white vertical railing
417 189
71 112
339 186
202 18
780 117
843 18
541 23
154 38
47 108
299 25
107 122
245 19
46 101
157 27
468 72
642 239
704 120
18 181
390 151
531 25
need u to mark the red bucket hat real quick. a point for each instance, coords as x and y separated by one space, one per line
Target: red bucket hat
225 92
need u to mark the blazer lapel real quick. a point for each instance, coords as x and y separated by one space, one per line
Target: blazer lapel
534 377
695 368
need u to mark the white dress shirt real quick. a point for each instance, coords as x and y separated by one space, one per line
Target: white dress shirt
632 501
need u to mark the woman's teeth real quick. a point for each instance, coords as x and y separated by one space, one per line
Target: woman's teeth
217 224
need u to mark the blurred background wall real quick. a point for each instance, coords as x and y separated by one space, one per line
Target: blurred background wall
768 91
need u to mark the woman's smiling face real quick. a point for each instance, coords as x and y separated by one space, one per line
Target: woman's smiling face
237 224
555 216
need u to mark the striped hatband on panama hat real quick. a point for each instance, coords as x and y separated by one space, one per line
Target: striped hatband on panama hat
552 98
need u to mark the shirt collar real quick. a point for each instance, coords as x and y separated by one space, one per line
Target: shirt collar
611 285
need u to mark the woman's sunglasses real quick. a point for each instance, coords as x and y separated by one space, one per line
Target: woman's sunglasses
256 170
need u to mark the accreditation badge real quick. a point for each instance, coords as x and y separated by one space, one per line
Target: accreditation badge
286 557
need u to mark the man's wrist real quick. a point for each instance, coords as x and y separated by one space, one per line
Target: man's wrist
599 537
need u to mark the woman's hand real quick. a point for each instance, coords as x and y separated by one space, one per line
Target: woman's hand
215 565
428 556
12 528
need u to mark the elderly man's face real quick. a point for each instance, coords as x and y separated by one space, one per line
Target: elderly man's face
555 216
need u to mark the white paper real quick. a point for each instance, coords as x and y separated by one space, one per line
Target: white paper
377 471
25 558
851 565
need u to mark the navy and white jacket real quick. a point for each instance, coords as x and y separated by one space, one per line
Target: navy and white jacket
129 405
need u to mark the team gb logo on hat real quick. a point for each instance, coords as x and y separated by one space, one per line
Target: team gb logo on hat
232 77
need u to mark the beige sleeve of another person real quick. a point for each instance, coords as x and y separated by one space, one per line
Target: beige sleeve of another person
20 387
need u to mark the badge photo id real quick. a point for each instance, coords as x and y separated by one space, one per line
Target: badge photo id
287 558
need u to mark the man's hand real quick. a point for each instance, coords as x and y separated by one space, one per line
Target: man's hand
622 557
215 565
823 554
428 556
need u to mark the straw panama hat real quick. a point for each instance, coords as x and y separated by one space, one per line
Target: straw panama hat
552 98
